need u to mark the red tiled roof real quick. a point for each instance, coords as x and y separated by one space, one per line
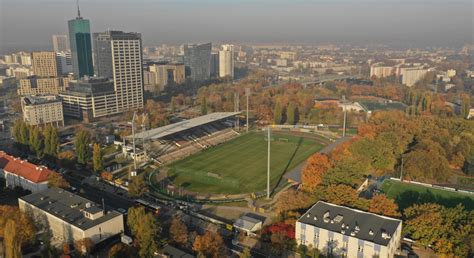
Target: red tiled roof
23 168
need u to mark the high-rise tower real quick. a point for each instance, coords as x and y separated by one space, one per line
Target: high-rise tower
197 59
81 49
226 61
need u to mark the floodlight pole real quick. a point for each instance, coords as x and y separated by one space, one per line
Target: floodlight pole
268 163
247 93
344 126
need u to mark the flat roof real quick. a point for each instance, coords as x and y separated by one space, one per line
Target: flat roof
370 226
68 207
178 127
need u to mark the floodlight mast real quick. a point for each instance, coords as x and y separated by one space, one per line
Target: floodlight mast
133 141
247 94
268 163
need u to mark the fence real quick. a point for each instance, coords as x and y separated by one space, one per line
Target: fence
433 186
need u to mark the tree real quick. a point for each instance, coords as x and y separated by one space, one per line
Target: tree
36 141
97 158
19 223
12 240
84 245
204 106
66 158
120 250
145 229
210 244
447 230
278 240
56 180
245 253
292 199
173 104
51 141
137 186
465 105
380 204
81 143
344 195
291 114
312 175
20 132
178 231
277 114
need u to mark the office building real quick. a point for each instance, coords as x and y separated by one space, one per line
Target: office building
64 62
60 43
197 59
34 85
23 174
347 232
19 72
90 98
410 76
81 49
214 65
119 56
71 217
22 58
226 61
166 74
42 110
45 64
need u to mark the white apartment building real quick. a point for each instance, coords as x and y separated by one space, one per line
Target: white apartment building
381 71
21 173
226 61
345 232
410 76
71 217
42 110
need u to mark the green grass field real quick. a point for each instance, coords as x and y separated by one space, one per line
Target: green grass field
240 165
406 195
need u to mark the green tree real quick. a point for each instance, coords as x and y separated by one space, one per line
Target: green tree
291 114
173 104
245 253
97 158
36 141
51 141
145 229
277 114
81 143
137 186
20 132
465 105
203 106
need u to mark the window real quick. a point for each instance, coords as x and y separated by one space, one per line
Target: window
360 249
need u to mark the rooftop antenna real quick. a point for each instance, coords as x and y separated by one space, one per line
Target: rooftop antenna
78 11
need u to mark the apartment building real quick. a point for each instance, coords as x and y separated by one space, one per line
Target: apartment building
42 110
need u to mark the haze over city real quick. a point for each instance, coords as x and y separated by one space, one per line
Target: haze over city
236 128
394 22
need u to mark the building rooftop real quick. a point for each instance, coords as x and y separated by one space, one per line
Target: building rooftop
178 127
23 168
69 207
351 222
39 100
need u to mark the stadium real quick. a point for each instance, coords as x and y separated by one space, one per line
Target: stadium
207 154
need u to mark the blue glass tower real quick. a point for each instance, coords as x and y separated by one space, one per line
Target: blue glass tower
81 49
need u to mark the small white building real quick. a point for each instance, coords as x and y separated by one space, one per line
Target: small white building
21 173
71 217
347 232
248 224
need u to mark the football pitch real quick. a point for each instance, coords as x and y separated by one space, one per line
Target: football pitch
240 165
406 195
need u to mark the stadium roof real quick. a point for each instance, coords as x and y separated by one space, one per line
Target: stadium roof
178 127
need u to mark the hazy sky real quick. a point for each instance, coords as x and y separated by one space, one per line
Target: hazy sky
30 23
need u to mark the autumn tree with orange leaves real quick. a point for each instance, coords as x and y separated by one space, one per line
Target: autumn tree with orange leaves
210 244
316 166
382 205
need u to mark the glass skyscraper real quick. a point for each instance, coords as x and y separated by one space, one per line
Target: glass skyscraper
197 59
81 49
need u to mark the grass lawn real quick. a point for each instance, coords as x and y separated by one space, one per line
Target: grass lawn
240 165
406 195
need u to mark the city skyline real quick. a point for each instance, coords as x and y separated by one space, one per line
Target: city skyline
391 22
